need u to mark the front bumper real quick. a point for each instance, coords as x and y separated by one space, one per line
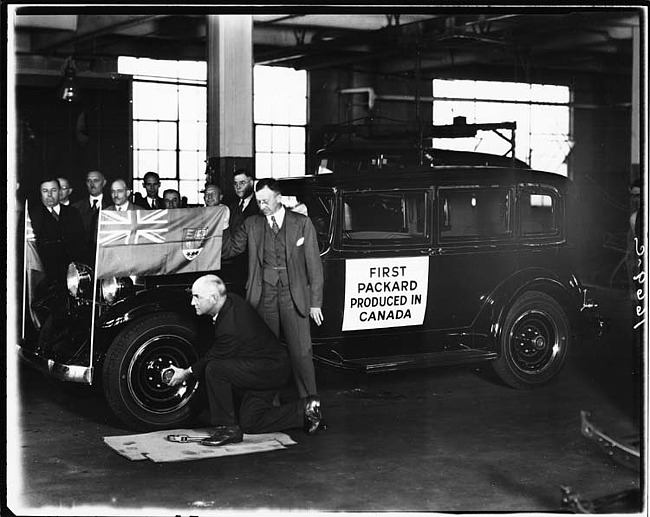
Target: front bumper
63 372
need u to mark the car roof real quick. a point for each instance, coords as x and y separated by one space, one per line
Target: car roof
438 176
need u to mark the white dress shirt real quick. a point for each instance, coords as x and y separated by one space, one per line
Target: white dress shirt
279 217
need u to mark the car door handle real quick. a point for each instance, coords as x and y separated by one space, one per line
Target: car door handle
432 252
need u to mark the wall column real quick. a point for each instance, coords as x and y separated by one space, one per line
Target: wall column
230 98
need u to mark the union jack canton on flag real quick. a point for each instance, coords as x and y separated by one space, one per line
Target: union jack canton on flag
159 242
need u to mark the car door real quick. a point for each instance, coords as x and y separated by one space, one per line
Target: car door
377 279
474 252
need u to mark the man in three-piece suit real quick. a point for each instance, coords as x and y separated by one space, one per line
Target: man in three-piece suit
285 275
152 201
245 360
89 207
120 194
59 232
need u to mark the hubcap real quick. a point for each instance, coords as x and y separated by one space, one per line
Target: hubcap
144 374
534 342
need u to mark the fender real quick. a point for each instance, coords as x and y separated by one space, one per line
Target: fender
148 301
490 319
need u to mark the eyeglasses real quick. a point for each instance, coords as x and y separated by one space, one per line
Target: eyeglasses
242 183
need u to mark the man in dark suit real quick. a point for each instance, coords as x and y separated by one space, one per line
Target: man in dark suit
285 275
121 195
59 232
89 206
246 204
151 183
245 358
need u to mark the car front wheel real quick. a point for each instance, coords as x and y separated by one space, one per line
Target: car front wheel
132 372
534 341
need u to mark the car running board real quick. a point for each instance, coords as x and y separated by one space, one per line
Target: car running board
415 361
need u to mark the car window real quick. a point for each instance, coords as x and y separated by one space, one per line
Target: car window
384 217
316 206
538 212
479 212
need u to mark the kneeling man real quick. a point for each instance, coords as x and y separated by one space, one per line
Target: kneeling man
247 357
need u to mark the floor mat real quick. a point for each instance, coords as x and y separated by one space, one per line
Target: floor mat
157 448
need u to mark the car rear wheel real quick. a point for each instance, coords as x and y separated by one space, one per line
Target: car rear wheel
534 341
132 372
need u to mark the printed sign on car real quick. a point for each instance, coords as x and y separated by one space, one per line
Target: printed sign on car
386 292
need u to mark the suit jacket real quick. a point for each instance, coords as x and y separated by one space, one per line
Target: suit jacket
89 216
241 333
129 206
142 202
237 218
304 267
59 242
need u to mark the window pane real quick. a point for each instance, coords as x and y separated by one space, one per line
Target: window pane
280 165
196 70
263 110
297 140
190 189
167 135
190 163
167 164
263 138
280 139
263 165
145 161
296 165
384 216
192 103
475 213
192 135
538 214
154 101
145 135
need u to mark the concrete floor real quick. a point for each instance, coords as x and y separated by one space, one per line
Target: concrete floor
448 439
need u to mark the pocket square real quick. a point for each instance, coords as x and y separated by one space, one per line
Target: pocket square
300 241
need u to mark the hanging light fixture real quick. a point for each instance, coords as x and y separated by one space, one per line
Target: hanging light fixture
69 91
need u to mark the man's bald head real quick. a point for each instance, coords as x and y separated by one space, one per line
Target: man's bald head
208 295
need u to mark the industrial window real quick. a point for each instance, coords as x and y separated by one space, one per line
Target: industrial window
384 217
475 213
280 117
541 111
170 122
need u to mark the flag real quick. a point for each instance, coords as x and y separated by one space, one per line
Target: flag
159 242
34 270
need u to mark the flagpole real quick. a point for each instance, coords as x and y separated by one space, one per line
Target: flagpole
25 287
92 319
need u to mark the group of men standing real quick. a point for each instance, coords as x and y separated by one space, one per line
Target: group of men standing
248 361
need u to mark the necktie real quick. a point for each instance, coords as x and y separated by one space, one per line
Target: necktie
95 205
274 225
55 215
153 203
240 207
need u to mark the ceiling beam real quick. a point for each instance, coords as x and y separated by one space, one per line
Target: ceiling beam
90 26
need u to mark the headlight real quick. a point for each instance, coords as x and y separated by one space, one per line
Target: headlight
79 279
114 288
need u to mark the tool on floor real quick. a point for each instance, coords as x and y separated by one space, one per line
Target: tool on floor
184 438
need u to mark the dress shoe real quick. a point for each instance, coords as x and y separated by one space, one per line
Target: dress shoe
313 414
224 435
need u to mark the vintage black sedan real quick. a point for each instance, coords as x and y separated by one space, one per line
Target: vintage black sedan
423 266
